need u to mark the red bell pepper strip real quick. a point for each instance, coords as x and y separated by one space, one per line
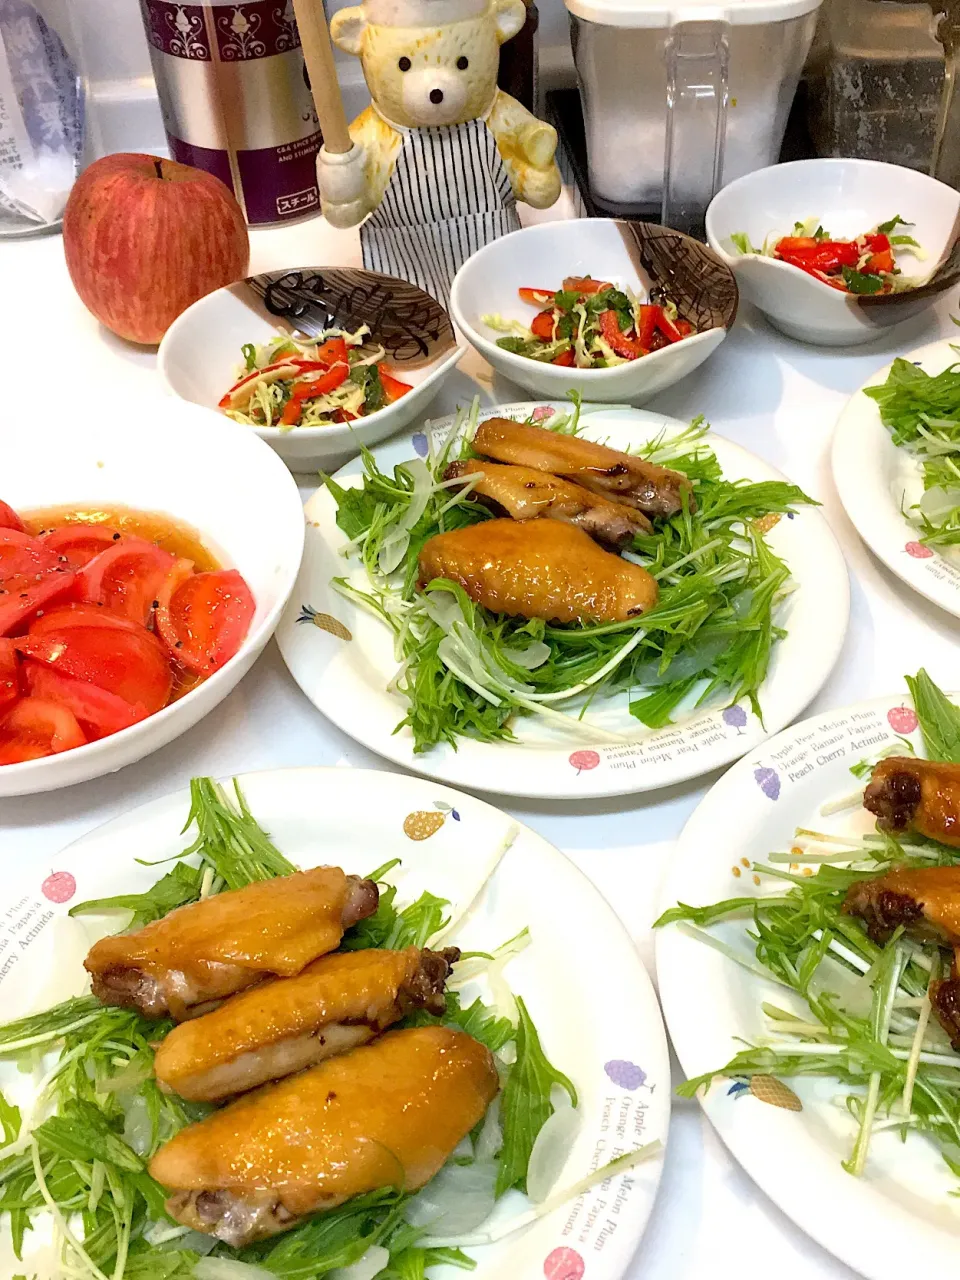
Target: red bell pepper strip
333 351
566 359
878 243
536 297
627 347
585 285
667 327
648 324
393 388
309 389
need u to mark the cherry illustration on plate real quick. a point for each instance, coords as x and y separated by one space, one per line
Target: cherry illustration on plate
902 719
918 551
584 760
59 886
564 1264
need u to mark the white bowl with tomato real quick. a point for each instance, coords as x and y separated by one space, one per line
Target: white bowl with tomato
314 402
135 588
835 251
614 310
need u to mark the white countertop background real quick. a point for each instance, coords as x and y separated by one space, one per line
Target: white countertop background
770 395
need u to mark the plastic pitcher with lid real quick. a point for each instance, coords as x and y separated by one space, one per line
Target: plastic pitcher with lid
683 96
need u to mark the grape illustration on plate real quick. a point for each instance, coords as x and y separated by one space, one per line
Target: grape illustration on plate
420 445
902 719
584 760
59 886
768 780
735 716
626 1074
564 1264
918 551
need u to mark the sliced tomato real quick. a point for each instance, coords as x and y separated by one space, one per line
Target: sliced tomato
536 297
333 351
82 614
24 557
98 712
585 285
9 518
9 673
36 727
566 359
133 666
393 388
625 346
18 608
207 618
543 326
126 577
79 543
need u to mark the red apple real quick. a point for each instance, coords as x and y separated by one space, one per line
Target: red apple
144 238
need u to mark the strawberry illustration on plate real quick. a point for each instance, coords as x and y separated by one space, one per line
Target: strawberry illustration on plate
902 719
584 760
918 551
59 886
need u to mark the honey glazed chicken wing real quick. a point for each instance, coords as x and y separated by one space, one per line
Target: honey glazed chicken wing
908 794
385 1115
926 902
281 1026
539 569
525 494
657 491
199 954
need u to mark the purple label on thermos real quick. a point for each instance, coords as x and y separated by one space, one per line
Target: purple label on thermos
177 29
257 30
280 182
215 162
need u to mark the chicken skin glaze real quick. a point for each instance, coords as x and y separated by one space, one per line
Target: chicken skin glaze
199 954
337 1003
656 491
908 794
523 494
539 569
385 1115
926 902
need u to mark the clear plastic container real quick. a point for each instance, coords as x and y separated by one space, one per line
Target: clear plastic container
678 102
48 126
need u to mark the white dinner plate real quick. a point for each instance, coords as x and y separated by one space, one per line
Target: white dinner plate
581 976
347 679
901 1217
876 481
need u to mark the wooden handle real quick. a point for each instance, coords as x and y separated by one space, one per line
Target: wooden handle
318 55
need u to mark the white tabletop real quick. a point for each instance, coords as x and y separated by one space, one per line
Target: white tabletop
774 397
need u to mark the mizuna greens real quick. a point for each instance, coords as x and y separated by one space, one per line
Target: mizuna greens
922 413
867 1017
77 1158
464 670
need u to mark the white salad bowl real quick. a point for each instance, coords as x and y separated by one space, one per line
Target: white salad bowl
847 198
638 256
199 359
177 460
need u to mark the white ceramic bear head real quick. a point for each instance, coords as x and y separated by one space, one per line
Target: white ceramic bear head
429 62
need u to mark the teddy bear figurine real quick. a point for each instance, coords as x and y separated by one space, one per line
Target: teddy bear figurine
442 155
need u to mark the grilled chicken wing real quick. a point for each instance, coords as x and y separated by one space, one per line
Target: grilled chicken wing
652 489
908 794
926 901
538 569
524 494
385 1115
202 953
279 1027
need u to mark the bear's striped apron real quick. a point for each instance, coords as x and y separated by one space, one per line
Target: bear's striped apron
448 196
